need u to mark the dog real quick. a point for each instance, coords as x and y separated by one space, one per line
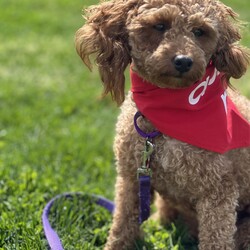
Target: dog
182 55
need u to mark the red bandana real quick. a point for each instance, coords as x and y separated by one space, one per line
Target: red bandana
201 115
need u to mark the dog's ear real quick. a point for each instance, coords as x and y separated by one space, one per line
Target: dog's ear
104 35
230 57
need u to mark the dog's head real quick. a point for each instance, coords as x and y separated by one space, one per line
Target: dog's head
168 42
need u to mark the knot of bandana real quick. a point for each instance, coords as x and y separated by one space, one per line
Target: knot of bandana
201 115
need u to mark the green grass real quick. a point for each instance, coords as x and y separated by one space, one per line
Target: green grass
56 132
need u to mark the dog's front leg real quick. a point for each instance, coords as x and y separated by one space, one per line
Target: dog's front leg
125 228
217 218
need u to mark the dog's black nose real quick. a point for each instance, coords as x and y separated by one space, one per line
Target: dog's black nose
183 63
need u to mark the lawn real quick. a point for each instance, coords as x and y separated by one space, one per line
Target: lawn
56 132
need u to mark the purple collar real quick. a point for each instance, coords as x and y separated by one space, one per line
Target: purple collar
151 135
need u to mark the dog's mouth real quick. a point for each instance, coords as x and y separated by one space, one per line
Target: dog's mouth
180 72
169 75
179 80
179 75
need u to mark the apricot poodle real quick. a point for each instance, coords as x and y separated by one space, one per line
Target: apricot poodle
191 137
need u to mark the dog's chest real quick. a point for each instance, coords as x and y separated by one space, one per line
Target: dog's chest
175 170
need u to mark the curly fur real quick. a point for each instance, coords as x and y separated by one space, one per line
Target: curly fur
206 188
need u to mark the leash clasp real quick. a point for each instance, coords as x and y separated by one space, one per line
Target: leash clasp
146 154
144 173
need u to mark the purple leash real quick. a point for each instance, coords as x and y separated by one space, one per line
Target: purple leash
50 234
144 196
144 172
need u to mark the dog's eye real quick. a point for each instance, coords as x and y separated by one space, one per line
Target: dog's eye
198 32
160 27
